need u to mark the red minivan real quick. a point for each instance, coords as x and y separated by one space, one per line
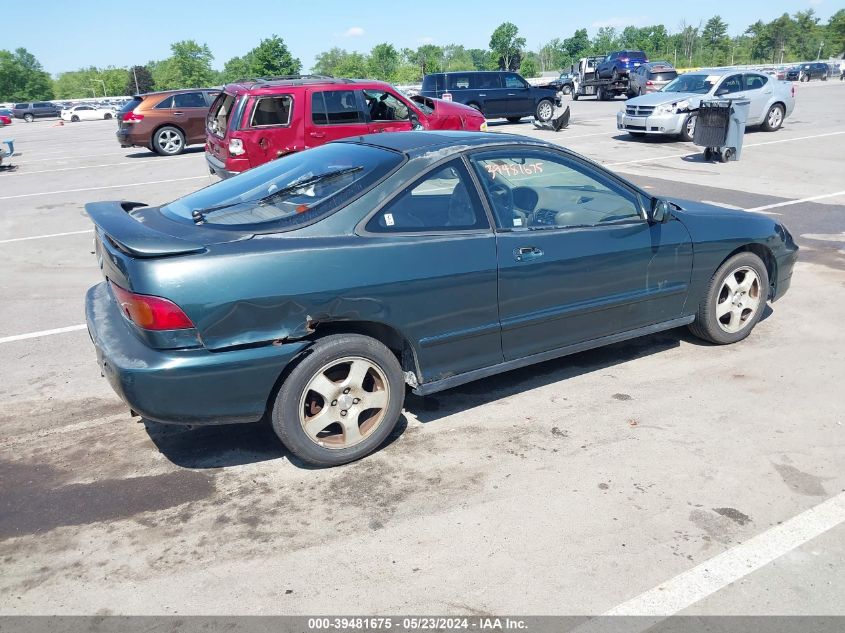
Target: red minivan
251 123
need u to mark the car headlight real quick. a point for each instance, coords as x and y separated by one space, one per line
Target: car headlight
665 108
682 106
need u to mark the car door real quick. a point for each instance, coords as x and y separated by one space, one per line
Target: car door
442 252
335 114
189 109
518 100
731 87
758 90
387 112
577 259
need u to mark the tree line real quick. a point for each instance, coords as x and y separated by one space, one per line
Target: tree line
798 37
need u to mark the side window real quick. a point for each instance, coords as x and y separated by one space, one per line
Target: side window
384 106
513 80
189 100
487 81
537 190
271 111
730 85
335 107
165 103
442 200
84 108
755 82
458 81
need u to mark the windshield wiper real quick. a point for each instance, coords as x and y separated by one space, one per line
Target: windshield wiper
199 215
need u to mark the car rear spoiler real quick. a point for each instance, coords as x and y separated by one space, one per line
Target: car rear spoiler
113 219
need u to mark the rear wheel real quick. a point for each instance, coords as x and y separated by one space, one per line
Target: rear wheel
341 401
567 89
169 141
28 117
107 116
601 94
74 119
688 131
734 301
545 111
774 118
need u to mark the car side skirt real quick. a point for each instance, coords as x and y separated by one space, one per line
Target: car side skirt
460 379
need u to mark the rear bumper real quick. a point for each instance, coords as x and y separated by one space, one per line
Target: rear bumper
187 386
218 167
125 138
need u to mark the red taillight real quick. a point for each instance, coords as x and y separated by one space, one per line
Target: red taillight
132 116
151 313
649 82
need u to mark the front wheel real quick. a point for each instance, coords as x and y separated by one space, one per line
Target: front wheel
734 301
545 111
74 119
688 131
28 118
169 141
107 116
566 90
774 118
341 401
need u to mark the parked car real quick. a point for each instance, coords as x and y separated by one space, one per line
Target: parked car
252 123
313 289
496 94
650 77
86 113
619 64
565 83
35 110
806 72
673 110
6 116
165 122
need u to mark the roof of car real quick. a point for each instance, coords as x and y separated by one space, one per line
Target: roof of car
292 81
414 143
173 92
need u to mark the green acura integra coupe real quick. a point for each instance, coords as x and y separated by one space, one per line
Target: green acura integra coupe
314 290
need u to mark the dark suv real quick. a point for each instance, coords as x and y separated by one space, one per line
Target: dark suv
36 110
496 94
619 63
806 72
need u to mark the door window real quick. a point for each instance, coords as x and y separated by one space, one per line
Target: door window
513 80
165 104
189 100
755 82
271 111
541 190
384 106
442 200
459 81
730 85
335 107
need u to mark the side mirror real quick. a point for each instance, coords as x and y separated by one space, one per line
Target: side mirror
661 211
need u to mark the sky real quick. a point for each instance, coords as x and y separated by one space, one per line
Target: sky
97 33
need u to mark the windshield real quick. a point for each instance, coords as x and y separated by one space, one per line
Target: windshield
699 84
290 191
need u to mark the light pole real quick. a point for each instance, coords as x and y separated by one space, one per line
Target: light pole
821 46
135 75
102 82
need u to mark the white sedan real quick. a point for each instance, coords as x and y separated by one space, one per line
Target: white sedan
86 113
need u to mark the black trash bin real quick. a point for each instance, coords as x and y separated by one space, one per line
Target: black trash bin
720 128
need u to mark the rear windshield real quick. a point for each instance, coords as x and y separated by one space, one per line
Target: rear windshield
286 193
666 75
130 105
698 84
220 113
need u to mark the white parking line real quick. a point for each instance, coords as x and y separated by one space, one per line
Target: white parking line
60 330
783 140
736 208
799 201
75 156
130 184
38 237
714 574
47 171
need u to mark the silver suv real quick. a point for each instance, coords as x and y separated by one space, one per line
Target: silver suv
674 109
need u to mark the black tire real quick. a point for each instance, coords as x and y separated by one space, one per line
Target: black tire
707 325
545 111
575 96
514 119
567 89
824 77
168 141
28 117
601 95
708 154
74 119
614 76
687 134
107 116
805 77
286 416
636 134
772 123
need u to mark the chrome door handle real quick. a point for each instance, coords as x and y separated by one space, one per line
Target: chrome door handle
317 134
482 94
526 253
511 94
178 113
